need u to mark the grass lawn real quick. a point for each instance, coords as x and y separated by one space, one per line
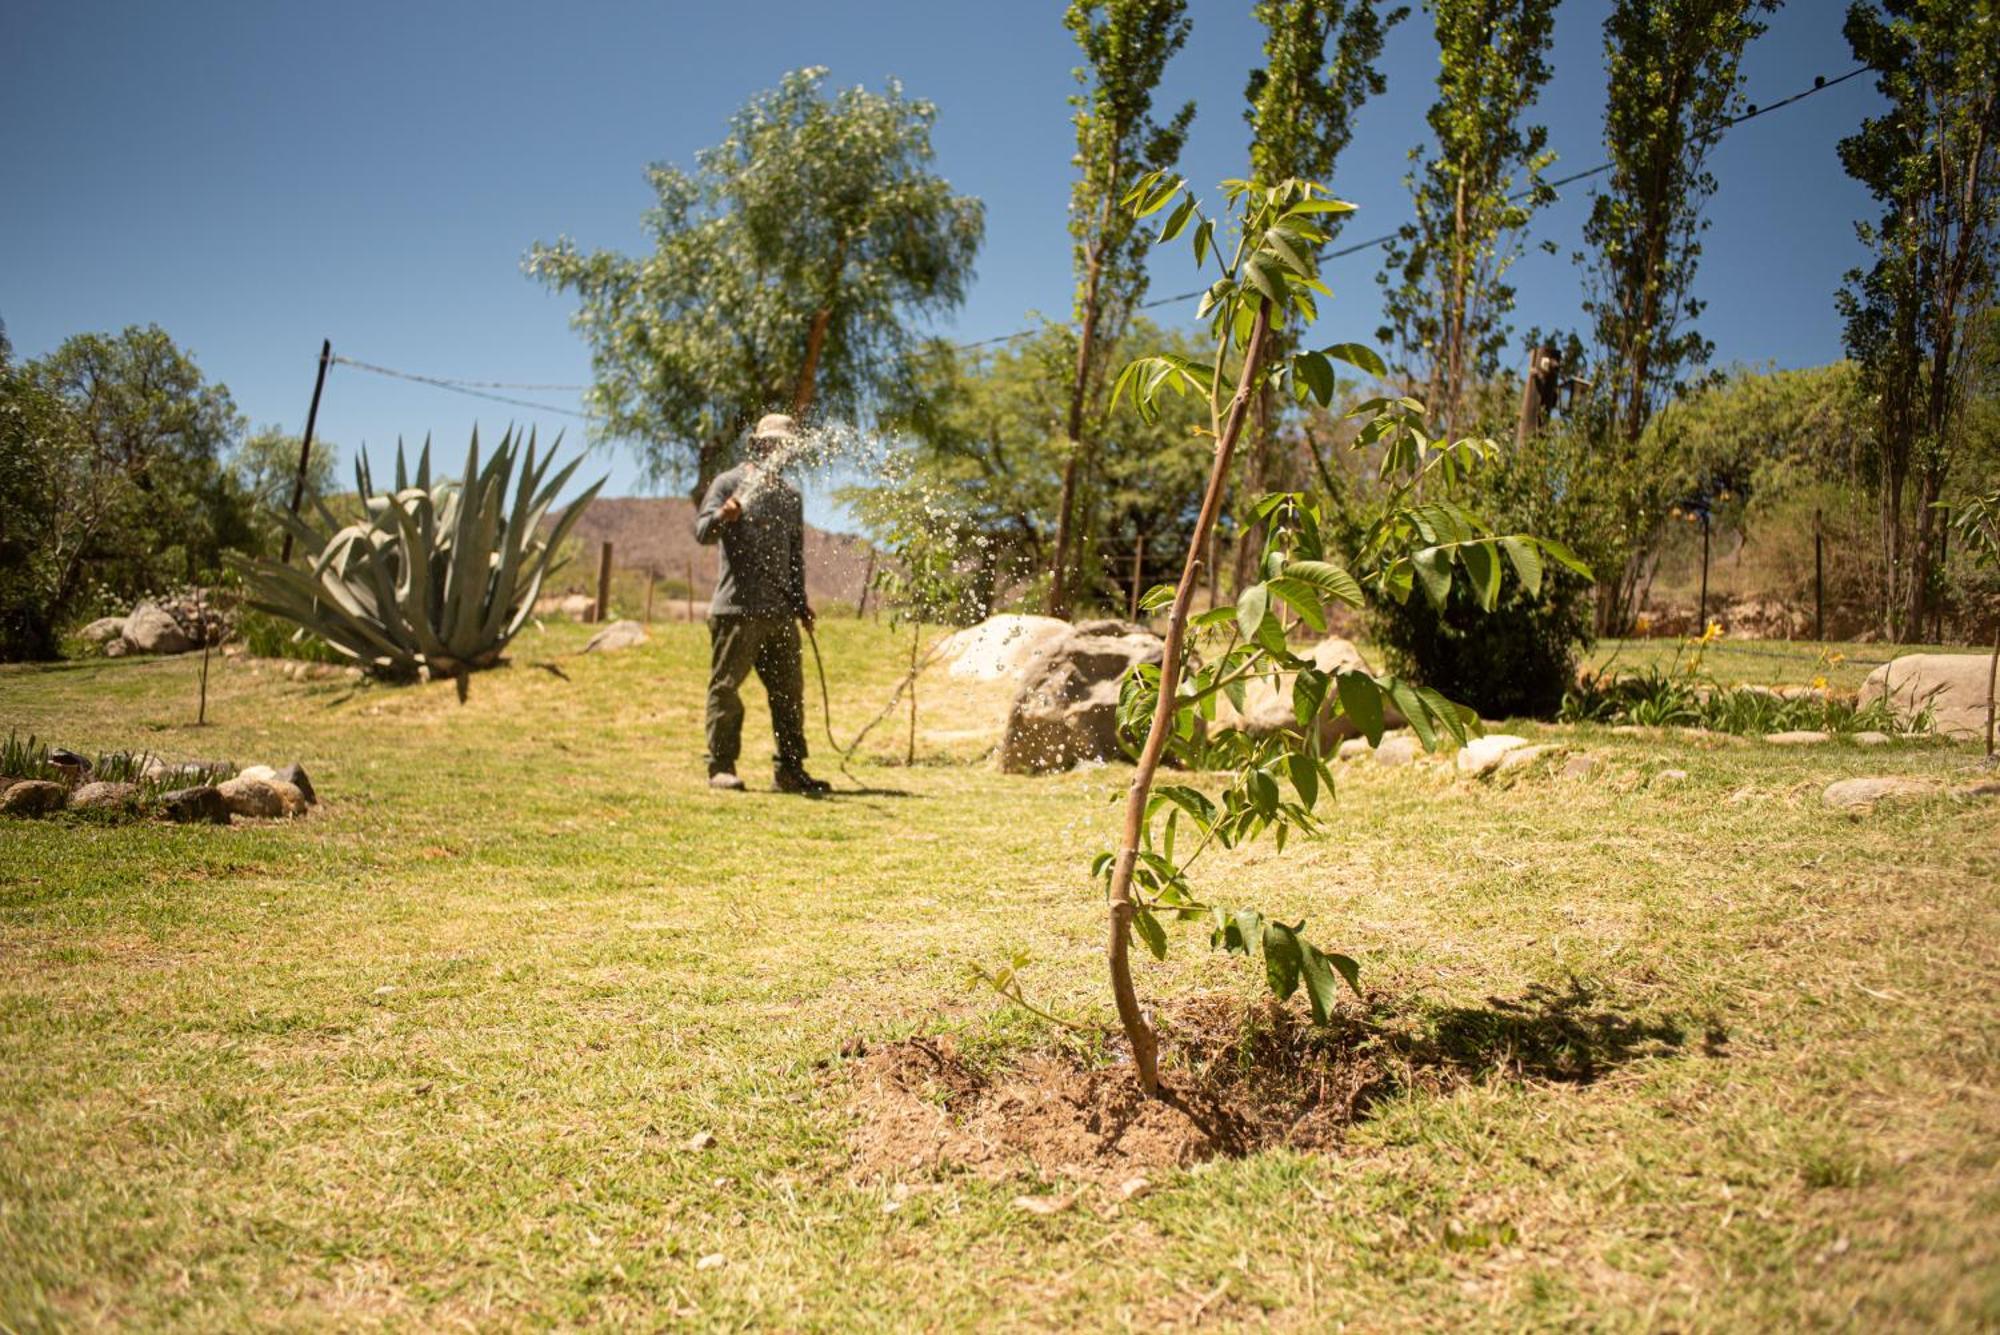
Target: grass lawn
434 1057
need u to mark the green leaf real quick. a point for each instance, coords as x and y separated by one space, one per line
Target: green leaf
1204 241
1263 791
1411 707
1320 206
1177 219
1249 928
1100 865
1252 605
1361 357
1315 372
1319 967
1282 961
1328 578
1303 599
1564 556
1150 931
1266 279
1482 567
1361 700
1434 570
1527 563
1305 777
1157 597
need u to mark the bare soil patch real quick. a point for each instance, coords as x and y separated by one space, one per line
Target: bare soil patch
1238 1078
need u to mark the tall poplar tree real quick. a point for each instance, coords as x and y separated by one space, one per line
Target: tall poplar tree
1674 78
1932 160
1448 298
1319 70
1126 46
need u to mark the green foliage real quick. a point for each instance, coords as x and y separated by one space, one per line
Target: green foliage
1446 294
1931 160
266 467
1673 79
439 577
263 635
112 475
1669 698
785 270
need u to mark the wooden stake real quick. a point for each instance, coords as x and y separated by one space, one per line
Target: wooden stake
603 583
1819 580
306 443
867 580
1138 575
201 620
916 634
651 578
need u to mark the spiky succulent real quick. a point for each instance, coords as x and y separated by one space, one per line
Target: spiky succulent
439 577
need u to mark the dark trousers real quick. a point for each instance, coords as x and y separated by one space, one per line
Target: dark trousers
771 646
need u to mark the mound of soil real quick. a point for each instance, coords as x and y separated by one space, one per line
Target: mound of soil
1236 1080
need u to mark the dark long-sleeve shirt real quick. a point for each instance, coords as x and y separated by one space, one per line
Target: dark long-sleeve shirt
763 565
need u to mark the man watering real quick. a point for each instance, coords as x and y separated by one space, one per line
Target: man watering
760 597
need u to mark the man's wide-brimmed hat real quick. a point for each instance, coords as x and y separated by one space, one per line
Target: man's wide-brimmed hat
776 426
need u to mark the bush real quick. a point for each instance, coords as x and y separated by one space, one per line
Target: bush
1516 661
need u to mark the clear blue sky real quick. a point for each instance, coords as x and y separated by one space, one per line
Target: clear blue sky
254 177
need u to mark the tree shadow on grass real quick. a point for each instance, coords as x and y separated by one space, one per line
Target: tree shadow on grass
1569 1035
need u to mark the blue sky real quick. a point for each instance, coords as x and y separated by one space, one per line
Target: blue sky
256 177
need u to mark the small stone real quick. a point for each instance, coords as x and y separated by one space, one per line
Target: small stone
1984 788
105 797
104 630
1132 1188
262 773
1482 754
712 1261
73 765
1580 766
1796 738
1044 1205
701 1140
1354 748
295 775
1860 794
265 798
1872 739
33 797
1521 757
617 635
117 648
1667 778
1397 749
195 806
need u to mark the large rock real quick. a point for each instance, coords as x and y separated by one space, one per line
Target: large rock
33 797
103 630
1267 701
617 635
1067 709
1860 794
1952 686
295 775
105 797
268 799
149 630
195 806
1000 648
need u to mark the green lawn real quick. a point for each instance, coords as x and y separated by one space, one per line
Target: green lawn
434 1056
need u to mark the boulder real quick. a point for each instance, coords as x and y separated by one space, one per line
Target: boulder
1952 686
617 635
149 630
267 799
1067 708
1481 755
1267 701
105 797
1398 748
262 773
1860 794
201 805
73 767
117 648
295 775
33 797
1000 647
1580 765
1521 757
104 630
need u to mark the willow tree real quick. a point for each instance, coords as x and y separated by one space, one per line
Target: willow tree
1674 78
1126 45
785 271
1448 297
1932 160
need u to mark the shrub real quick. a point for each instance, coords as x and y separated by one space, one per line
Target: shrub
1516 661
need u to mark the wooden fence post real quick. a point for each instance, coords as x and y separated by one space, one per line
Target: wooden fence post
867 580
603 583
306 444
651 576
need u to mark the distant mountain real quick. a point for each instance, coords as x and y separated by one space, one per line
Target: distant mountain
657 534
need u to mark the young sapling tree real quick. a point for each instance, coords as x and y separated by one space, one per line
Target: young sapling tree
1266 292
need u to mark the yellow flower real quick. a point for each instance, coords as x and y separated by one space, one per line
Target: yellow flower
1819 683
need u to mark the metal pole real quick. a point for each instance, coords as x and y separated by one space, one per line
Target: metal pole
306 443
1704 572
1819 580
603 583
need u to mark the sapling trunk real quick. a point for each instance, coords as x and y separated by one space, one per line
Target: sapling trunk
1139 1033
1992 679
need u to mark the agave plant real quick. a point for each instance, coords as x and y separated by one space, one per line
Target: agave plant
439 577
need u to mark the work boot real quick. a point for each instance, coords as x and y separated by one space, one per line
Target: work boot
725 781
794 779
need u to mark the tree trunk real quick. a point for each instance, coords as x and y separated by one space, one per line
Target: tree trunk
802 394
1058 599
1138 1032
